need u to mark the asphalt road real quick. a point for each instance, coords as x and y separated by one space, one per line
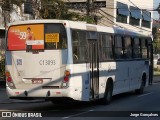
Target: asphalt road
121 107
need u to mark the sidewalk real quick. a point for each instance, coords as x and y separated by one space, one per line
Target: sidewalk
156 79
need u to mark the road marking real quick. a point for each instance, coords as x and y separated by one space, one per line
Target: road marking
77 114
19 101
8 110
145 94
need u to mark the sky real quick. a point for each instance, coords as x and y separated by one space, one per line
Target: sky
156 4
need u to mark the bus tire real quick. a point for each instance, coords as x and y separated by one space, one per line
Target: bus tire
143 82
108 93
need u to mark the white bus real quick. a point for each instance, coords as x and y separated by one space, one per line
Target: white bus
62 60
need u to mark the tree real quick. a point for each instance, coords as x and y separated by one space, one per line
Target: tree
56 9
46 9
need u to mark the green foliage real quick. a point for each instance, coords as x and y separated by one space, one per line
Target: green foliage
53 9
2 67
56 9
50 9
156 47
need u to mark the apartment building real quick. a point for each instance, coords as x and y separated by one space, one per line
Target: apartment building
131 14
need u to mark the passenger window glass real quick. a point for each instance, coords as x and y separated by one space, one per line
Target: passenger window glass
107 53
144 48
136 48
55 36
79 46
118 47
127 47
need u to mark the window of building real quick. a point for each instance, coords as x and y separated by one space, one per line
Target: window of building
118 47
146 19
122 12
135 16
136 48
79 46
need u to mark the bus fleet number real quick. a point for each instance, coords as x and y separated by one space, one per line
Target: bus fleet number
47 62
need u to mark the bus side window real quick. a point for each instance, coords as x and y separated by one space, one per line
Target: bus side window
136 48
75 53
107 53
127 47
118 47
144 47
79 46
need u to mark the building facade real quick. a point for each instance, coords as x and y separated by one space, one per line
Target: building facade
15 14
130 14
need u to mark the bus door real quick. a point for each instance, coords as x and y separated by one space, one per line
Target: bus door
94 68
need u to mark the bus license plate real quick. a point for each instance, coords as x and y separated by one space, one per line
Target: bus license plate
37 81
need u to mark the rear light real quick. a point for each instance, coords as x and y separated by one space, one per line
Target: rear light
67 73
9 80
66 78
48 93
7 74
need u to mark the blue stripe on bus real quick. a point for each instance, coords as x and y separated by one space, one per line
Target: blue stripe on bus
8 58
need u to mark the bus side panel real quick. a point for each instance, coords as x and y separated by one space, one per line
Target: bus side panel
79 82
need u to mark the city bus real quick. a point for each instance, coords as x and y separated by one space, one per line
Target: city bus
61 60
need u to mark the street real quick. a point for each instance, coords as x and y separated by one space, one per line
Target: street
124 106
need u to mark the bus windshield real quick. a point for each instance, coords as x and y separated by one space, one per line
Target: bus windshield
37 37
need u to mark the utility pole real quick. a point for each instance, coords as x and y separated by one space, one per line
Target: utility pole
158 9
87 9
158 31
90 11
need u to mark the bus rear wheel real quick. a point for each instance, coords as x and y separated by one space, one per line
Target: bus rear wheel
108 94
141 89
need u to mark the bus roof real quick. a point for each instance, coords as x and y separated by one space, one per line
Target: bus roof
82 26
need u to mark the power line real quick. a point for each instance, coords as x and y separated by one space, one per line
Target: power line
119 25
115 17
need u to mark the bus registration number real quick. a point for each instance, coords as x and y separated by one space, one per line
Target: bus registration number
37 81
47 62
